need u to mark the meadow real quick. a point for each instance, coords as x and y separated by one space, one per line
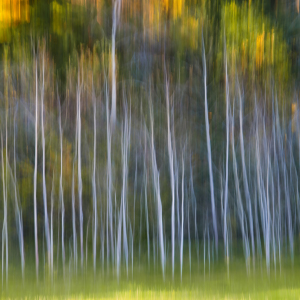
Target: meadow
146 282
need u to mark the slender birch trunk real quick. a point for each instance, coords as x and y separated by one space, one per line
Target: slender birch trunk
4 228
240 208
51 229
245 178
79 171
115 17
94 187
44 166
211 179
61 193
171 166
226 247
182 217
147 220
119 236
35 175
74 221
109 217
157 195
19 220
125 149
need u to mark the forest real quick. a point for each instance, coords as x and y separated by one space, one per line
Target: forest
159 135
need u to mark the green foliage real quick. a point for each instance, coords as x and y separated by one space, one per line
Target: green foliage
254 46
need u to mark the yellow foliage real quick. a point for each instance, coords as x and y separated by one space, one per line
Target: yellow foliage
294 110
244 54
57 15
253 43
165 5
190 31
12 12
79 2
260 49
99 5
151 18
177 8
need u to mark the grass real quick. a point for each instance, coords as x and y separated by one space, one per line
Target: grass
148 283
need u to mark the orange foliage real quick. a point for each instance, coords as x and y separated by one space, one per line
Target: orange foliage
260 49
13 11
294 110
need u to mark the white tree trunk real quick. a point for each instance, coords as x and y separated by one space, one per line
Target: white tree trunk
211 179
35 175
